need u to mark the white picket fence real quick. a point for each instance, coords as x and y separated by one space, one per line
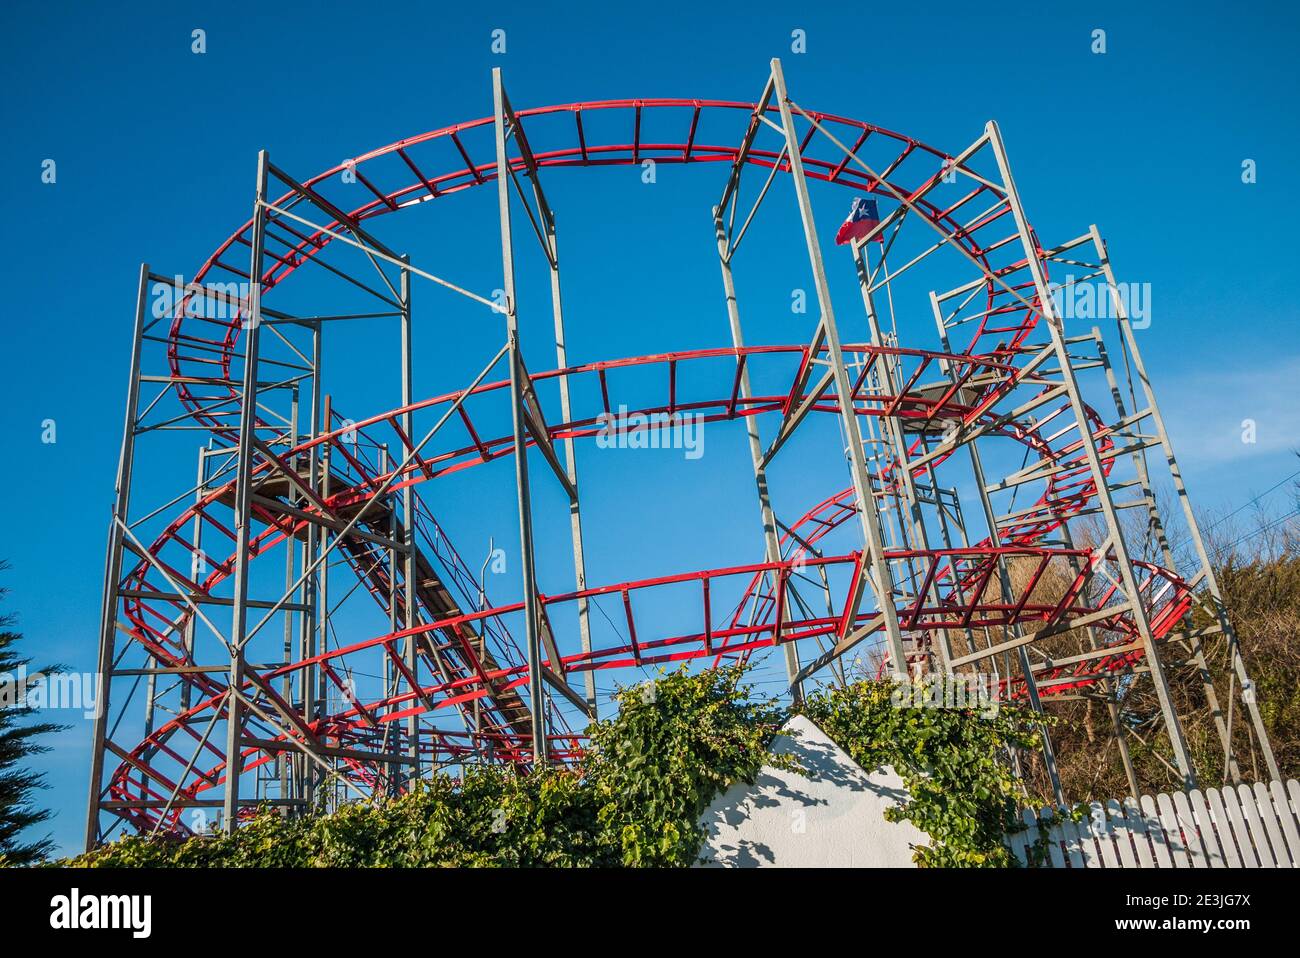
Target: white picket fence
1250 826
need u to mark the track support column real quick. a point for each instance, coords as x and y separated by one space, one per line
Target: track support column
1114 532
868 515
1193 527
536 693
771 541
570 453
113 564
243 503
408 520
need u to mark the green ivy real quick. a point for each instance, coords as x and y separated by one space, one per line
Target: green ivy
492 816
1040 851
637 796
962 792
634 800
676 744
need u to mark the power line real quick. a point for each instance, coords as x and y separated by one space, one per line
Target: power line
1262 529
1244 505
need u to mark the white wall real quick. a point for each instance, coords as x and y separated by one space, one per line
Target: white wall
831 817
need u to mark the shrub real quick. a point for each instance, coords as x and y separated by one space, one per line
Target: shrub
962 791
635 799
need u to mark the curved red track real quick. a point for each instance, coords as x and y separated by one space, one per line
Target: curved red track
195 349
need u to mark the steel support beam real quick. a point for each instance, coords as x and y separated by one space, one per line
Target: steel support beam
570 457
1193 527
771 540
113 564
879 575
409 573
532 617
1056 329
884 367
243 505
1155 525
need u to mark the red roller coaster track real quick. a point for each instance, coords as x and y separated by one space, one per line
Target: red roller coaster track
470 660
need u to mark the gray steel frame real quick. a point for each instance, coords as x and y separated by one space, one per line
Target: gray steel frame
306 595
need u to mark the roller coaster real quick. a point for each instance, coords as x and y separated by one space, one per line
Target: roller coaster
236 670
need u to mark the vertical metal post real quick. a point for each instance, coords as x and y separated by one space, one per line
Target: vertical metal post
1121 739
391 741
571 467
1004 580
867 512
311 595
320 688
113 563
946 534
1026 669
243 503
1154 524
531 619
771 541
897 441
1129 581
197 559
284 760
408 519
1193 527
1111 686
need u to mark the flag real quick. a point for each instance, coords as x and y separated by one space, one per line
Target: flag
863 218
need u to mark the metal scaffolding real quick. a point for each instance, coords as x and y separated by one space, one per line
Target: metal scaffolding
300 516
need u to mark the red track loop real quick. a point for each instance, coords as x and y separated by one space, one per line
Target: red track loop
437 164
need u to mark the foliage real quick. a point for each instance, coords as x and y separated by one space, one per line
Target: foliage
1256 559
1263 599
491 816
634 800
674 745
17 743
637 796
962 791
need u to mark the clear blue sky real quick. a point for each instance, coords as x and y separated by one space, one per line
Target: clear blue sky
156 146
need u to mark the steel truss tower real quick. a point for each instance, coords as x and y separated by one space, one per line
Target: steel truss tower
234 673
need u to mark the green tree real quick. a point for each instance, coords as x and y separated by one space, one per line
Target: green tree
17 744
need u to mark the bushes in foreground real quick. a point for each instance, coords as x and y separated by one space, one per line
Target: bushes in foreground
637 796
962 792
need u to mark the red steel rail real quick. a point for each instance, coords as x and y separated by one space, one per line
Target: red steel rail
437 164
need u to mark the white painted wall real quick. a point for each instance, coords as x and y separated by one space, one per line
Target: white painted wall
831 817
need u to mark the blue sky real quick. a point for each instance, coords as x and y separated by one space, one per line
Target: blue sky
155 149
